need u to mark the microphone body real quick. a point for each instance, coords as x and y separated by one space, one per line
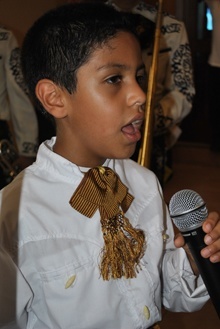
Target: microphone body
188 212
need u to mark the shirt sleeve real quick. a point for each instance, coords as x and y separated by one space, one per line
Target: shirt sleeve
15 294
182 290
22 112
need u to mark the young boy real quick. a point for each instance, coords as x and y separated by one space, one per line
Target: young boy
86 239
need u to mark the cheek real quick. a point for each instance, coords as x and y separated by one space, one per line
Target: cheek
103 118
97 115
102 127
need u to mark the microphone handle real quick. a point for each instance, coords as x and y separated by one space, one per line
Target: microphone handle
210 272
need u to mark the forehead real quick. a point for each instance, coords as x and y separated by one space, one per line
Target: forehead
123 46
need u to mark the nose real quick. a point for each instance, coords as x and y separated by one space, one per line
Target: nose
136 97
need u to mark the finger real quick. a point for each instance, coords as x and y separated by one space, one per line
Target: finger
210 222
215 258
211 226
212 252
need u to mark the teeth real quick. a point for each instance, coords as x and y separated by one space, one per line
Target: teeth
136 123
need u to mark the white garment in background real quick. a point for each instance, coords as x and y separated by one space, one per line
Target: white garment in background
15 105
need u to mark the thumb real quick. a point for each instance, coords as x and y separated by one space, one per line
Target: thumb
179 240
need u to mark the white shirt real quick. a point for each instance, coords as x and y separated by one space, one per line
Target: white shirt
175 86
214 58
53 273
14 102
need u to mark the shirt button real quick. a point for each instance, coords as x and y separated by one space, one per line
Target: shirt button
165 237
146 312
70 281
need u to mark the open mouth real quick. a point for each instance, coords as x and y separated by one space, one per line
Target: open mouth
133 128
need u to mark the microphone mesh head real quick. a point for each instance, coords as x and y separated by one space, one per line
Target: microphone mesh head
187 210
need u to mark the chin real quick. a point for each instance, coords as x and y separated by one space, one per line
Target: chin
126 155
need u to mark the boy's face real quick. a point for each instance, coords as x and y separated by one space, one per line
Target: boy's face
106 111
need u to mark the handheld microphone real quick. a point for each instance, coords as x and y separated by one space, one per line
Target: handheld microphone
188 212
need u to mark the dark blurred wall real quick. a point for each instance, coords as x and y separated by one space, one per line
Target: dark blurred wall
19 15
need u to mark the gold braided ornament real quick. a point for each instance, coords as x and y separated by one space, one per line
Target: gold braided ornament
124 246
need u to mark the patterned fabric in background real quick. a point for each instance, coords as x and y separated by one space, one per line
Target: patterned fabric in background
15 106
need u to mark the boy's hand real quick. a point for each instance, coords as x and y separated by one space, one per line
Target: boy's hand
211 227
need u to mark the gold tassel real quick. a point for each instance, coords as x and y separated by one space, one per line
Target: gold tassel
123 248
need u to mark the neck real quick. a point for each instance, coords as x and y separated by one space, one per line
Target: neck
125 5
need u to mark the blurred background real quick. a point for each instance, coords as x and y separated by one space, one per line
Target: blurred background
195 165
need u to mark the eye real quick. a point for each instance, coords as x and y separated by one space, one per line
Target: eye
142 80
114 79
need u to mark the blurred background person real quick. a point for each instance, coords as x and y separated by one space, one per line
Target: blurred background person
214 75
18 121
175 84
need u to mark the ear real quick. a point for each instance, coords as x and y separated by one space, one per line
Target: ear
52 97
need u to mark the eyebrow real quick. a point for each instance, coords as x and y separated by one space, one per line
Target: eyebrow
121 66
